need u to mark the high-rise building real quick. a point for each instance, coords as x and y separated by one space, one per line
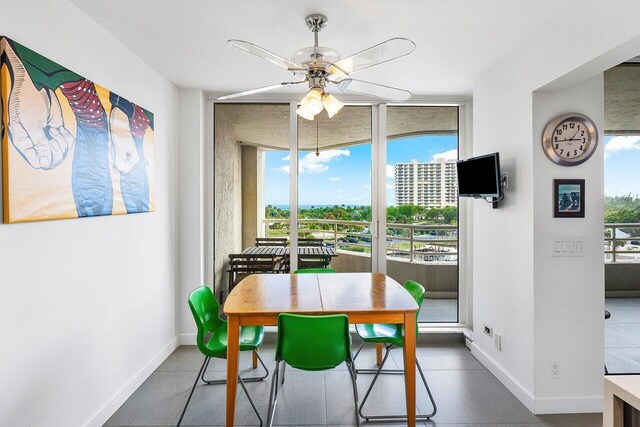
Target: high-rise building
428 184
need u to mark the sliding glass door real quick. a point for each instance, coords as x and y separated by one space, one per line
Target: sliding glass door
371 189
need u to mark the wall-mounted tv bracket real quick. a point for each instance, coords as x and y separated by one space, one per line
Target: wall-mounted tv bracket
504 184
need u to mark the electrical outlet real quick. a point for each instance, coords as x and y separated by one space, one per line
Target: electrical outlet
554 369
488 330
497 341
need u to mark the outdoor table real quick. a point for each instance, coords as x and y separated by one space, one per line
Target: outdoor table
364 297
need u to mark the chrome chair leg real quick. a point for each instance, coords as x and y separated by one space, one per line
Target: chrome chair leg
253 405
352 372
246 380
284 369
355 356
206 362
394 417
273 395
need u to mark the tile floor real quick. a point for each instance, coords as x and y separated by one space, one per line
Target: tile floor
465 392
622 335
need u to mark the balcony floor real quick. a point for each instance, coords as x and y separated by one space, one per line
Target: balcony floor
439 310
622 335
465 392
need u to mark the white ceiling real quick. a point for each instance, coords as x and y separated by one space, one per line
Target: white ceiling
457 40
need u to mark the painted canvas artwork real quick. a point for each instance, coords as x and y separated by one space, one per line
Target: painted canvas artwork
70 148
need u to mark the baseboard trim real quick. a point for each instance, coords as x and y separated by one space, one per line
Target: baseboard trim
568 404
103 414
512 384
187 339
537 405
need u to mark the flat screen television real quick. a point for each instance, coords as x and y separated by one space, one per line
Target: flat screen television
480 177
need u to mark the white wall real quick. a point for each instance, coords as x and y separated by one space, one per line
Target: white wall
568 291
512 287
87 306
191 205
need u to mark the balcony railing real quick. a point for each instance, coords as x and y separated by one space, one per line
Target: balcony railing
433 243
419 243
622 243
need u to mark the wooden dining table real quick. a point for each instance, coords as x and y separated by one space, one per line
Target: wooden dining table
364 297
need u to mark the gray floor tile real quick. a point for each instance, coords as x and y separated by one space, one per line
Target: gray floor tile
466 394
622 360
622 335
472 396
440 357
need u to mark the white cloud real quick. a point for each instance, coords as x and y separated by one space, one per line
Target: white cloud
621 143
335 179
447 155
390 172
311 164
390 187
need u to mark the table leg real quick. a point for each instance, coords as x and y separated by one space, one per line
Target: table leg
379 354
409 350
233 344
254 360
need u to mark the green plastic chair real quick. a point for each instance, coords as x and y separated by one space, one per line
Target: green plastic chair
391 336
314 271
312 343
212 340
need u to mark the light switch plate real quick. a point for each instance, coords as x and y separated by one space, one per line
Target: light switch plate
567 246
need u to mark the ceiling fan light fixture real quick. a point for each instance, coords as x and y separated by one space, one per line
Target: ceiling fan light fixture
312 101
304 113
331 104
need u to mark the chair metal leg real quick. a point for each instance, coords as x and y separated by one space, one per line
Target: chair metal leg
284 369
205 363
246 380
424 380
355 356
352 372
273 395
394 417
253 405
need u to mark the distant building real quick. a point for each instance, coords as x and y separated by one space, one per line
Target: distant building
427 184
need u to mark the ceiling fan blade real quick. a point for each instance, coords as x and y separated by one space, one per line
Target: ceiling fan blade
378 54
265 54
373 89
258 90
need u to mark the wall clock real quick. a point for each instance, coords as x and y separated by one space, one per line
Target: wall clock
570 139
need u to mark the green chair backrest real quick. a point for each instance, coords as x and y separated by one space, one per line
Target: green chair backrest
417 292
204 308
314 270
313 343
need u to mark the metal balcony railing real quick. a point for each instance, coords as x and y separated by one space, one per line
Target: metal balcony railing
425 243
622 243
421 243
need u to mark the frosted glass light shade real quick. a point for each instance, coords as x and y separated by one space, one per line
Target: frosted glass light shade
331 104
304 113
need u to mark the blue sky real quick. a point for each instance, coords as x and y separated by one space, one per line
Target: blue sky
343 176
621 165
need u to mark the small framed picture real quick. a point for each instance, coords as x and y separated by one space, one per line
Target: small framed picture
568 198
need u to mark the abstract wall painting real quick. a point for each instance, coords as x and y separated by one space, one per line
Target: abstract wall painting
70 147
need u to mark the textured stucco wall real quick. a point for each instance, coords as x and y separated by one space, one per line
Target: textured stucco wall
253 179
227 199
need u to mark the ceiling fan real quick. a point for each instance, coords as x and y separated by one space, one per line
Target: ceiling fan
322 67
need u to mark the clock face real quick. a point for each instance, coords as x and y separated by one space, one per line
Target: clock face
570 139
